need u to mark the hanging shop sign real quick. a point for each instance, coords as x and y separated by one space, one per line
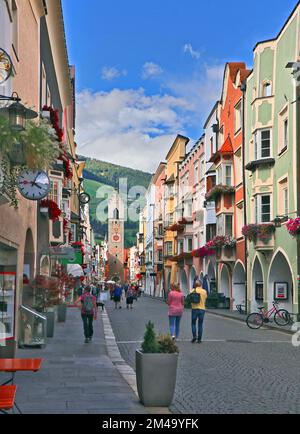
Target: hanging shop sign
76 260
62 253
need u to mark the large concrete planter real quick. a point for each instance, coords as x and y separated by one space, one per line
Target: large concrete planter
61 312
156 378
50 324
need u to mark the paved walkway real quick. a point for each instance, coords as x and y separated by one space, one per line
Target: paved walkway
75 377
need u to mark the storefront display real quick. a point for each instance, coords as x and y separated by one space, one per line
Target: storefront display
7 304
32 328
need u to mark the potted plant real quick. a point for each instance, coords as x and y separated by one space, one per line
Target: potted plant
46 296
156 369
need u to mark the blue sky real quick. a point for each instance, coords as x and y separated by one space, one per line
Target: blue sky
149 69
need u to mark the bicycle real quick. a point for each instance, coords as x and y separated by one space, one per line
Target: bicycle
257 319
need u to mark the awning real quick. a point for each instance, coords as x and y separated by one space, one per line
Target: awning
75 270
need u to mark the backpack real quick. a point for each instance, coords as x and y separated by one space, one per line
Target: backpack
88 305
194 297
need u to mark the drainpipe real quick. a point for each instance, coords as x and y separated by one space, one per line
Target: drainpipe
244 89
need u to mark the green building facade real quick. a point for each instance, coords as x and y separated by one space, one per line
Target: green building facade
271 154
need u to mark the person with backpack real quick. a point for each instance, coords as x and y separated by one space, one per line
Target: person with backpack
88 313
117 296
198 298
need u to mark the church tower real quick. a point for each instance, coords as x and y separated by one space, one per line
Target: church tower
116 238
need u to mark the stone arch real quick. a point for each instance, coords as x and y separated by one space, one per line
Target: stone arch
224 286
45 266
257 279
183 282
280 272
239 285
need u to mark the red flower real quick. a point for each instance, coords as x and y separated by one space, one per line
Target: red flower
54 211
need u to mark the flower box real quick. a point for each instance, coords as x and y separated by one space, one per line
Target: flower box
261 232
217 191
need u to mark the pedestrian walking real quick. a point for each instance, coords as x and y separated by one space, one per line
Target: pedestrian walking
198 298
129 297
88 312
117 296
176 309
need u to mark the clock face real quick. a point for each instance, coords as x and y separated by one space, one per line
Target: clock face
84 198
34 184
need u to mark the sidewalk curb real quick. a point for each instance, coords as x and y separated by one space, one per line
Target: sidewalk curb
124 369
285 331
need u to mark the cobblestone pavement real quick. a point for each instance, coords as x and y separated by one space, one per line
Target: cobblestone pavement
75 377
235 370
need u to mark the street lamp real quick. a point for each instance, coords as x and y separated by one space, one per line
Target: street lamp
17 112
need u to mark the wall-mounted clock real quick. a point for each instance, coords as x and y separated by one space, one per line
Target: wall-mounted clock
5 66
84 198
34 184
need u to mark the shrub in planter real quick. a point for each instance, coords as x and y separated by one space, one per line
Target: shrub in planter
156 369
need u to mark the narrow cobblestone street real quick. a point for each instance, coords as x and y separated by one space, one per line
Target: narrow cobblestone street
236 370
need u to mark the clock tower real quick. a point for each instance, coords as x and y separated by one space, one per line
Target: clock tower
116 238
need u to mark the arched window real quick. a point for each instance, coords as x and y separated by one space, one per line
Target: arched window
116 214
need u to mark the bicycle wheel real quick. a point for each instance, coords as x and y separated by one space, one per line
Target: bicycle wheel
282 317
255 321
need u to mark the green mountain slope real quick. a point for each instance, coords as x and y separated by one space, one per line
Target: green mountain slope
99 174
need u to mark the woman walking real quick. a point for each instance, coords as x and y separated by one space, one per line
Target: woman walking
176 309
129 297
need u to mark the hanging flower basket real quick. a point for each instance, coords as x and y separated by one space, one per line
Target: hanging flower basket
293 226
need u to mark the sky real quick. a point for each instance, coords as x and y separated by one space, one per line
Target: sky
147 70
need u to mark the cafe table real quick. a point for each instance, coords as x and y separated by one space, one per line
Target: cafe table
13 366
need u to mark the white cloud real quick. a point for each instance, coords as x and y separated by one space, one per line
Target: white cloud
201 90
151 70
128 127
131 128
110 73
189 49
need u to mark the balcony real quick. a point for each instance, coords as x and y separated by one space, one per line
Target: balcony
226 254
266 244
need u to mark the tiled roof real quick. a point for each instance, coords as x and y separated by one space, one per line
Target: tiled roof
227 147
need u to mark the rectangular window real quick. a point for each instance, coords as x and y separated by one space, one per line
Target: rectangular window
211 146
262 144
286 133
55 192
263 209
286 201
238 117
196 172
189 244
169 248
180 247
202 169
219 175
267 89
228 175
220 225
228 225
